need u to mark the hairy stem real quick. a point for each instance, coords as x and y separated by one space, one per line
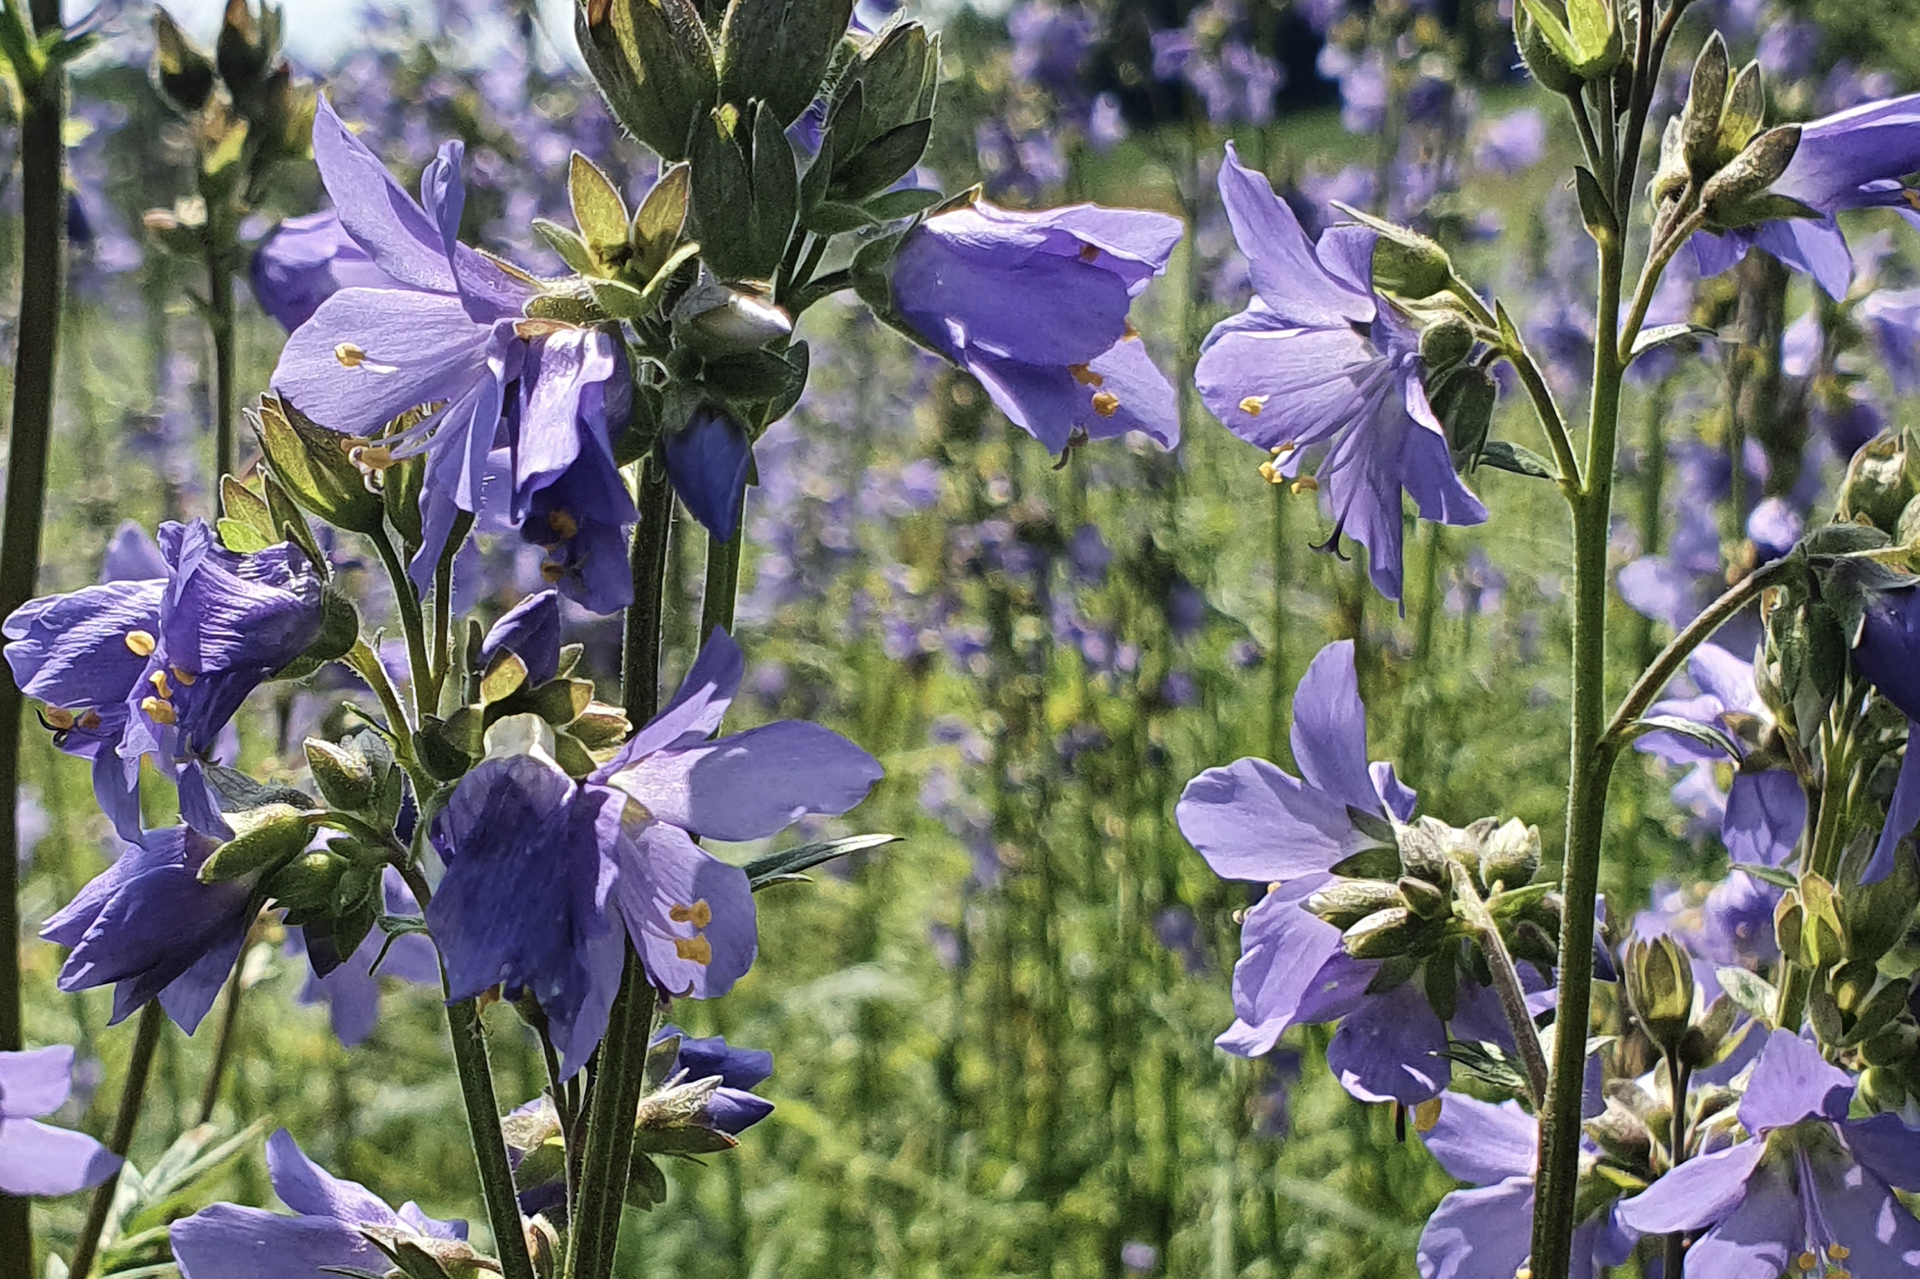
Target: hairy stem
43 223
133 1095
1506 983
406 602
1673 1246
220 326
615 1095
489 1146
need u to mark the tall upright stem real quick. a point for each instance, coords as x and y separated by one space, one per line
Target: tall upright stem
615 1096
133 1094
222 1043
489 1149
1590 765
43 222
220 324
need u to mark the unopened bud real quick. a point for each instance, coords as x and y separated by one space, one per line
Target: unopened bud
1424 899
1346 902
1879 482
1384 934
1549 65
1511 855
307 882
342 773
1446 342
1706 99
266 837
183 72
654 63
1746 108
722 319
1659 981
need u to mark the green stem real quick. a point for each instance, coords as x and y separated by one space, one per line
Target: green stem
443 610
406 602
362 659
723 582
1506 982
1822 858
1545 408
615 1095
1590 765
489 1147
1674 1244
133 1093
43 222
220 324
222 1043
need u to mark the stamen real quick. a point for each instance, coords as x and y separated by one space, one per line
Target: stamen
1252 405
1106 403
370 457
58 718
159 681
1085 376
90 719
1426 1115
1089 253
183 678
552 571
141 643
1306 484
699 914
158 711
565 527
1128 333
1271 473
695 948
349 355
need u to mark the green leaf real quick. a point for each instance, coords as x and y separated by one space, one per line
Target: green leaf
1596 210
1503 456
789 863
1778 876
1665 335
890 206
646 1184
569 244
598 210
1490 1064
882 162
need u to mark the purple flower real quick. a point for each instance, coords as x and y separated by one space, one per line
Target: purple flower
1486 1232
1251 821
37 1158
1808 1183
546 877
1513 142
708 462
530 630
1320 366
1034 305
1766 809
451 331
148 924
227 1241
159 666
733 1108
306 261
1851 160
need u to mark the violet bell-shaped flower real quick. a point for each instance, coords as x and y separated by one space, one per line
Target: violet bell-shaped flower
1320 366
148 925
1486 1232
1034 305
37 1158
1251 821
307 260
451 333
1809 1192
227 1241
158 666
547 877
1853 159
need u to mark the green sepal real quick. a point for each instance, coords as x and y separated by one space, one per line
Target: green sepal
343 774
778 50
790 863
599 211
657 224
569 244
312 463
646 1184
266 837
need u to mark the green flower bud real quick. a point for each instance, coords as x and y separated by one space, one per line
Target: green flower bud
1659 981
1789 927
245 47
1894 1044
1511 855
1706 101
1752 171
719 320
1882 1088
1446 341
777 51
1670 178
1346 902
654 63
342 773
265 837
1549 64
183 73
1464 400
1425 900
1879 483
1384 934
306 884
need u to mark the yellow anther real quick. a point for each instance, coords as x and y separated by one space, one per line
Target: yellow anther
142 643
1106 403
1089 253
1128 333
90 719
1085 376
695 948
158 711
1306 484
59 717
699 914
159 681
370 457
1426 1115
1271 473
1283 450
1839 1252
1252 405
552 572
183 678
1806 1261
564 526
349 355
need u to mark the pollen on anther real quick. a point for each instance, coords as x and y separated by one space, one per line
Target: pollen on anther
1252 405
698 949
141 643
564 526
1106 403
160 686
699 914
552 572
1085 376
1306 484
158 711
183 678
350 355
1839 1251
1806 1262
90 719
1089 253
1426 1115
59 717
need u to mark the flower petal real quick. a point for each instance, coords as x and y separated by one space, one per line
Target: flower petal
1391 1048
1792 1082
1479 1234
1283 949
1697 1193
1285 268
1253 822
35 1083
690 914
312 1191
39 1159
1480 1143
230 1242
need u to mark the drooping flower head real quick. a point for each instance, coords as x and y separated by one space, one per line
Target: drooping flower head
547 876
1809 1192
158 666
450 332
1251 821
37 1158
148 925
1853 159
1320 367
227 1241
1034 305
